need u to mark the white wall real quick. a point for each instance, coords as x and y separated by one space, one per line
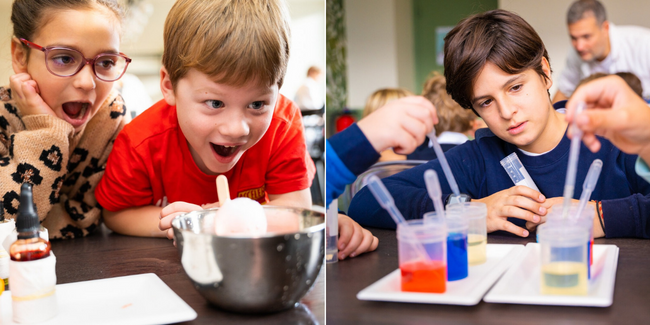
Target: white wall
549 20
379 47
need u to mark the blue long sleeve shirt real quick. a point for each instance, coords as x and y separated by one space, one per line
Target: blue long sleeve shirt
478 172
347 154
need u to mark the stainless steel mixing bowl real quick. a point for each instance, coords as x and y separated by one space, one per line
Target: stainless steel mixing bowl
262 274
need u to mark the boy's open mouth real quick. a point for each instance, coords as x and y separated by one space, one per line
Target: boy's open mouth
224 151
75 110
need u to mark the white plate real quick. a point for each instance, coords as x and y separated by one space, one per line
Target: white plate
133 299
468 291
521 284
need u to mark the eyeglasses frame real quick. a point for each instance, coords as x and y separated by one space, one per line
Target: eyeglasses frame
86 60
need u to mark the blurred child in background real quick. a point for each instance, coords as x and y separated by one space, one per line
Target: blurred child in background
378 99
456 124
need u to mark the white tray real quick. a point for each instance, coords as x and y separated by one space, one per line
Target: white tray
134 299
521 284
468 291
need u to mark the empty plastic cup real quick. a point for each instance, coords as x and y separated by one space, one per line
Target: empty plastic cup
563 259
475 213
457 262
421 275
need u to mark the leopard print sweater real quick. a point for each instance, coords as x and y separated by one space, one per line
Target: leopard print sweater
64 167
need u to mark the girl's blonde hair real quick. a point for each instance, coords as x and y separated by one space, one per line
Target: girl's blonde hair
451 116
382 96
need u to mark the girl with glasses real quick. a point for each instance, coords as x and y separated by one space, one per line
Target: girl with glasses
60 113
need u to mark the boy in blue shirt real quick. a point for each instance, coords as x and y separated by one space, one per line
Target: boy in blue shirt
497 65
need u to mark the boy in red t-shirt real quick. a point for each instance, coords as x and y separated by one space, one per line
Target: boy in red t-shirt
223 64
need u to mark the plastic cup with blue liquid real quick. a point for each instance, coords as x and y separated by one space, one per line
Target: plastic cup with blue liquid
457 261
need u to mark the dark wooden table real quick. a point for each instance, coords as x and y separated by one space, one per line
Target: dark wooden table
107 255
345 279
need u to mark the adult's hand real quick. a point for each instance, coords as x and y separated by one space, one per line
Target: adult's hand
615 112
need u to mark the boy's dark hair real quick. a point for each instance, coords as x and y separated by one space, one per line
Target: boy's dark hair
498 36
584 8
633 81
630 78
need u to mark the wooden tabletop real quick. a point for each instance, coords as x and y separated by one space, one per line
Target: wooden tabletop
107 255
346 278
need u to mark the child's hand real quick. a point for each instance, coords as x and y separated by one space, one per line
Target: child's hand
168 213
353 239
26 95
401 124
211 205
548 204
520 202
531 226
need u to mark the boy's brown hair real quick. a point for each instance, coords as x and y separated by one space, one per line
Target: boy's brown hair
233 41
633 81
451 116
498 36
630 79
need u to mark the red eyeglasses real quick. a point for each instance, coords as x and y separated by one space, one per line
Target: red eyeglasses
66 62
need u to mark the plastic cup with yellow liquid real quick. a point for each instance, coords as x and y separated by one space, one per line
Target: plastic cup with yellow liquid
475 213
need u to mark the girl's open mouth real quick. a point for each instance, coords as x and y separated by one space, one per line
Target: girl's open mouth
76 113
75 110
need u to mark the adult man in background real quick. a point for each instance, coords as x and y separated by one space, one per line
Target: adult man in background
310 96
600 46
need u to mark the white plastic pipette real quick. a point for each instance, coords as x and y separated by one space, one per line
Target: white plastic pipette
443 162
433 188
386 201
589 184
569 183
